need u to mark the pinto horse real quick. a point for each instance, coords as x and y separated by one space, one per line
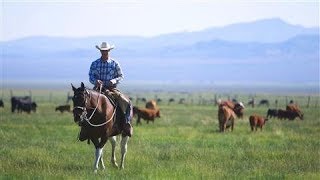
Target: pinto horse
99 120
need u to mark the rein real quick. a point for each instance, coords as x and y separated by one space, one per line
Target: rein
83 116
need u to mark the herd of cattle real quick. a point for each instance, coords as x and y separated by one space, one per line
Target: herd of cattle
25 104
228 111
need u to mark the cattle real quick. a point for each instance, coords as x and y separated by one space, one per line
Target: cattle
264 102
152 104
294 108
170 101
27 106
63 108
272 113
158 100
257 121
146 114
282 114
238 108
1 103
182 101
286 114
16 100
226 118
251 103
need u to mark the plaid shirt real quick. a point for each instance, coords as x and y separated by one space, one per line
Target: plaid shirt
105 71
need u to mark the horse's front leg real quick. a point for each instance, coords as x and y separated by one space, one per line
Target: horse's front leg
98 157
99 152
124 145
101 145
113 141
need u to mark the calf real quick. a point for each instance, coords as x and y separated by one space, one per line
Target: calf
272 113
257 121
146 114
63 108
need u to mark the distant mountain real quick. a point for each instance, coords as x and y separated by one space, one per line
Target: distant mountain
268 50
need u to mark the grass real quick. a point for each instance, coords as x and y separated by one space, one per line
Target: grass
182 144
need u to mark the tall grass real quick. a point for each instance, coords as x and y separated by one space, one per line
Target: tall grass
183 144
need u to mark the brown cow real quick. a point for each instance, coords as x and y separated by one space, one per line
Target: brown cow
294 108
152 104
146 114
257 121
226 118
238 107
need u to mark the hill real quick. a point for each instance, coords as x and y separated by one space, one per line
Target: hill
265 51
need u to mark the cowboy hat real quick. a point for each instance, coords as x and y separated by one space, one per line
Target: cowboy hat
105 46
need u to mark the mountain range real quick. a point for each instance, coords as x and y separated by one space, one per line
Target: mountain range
264 51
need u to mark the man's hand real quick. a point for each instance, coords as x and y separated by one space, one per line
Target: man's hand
99 83
113 82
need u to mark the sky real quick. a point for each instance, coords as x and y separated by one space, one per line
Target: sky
77 18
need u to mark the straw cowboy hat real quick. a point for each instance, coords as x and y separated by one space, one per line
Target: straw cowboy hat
105 46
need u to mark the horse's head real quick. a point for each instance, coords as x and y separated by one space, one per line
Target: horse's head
79 103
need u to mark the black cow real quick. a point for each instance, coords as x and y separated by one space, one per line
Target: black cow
272 113
285 114
264 102
1 103
63 108
16 100
26 106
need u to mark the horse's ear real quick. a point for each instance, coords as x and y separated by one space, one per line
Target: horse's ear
73 88
82 85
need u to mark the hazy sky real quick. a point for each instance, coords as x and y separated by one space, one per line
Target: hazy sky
144 17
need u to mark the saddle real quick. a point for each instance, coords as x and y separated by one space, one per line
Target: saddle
119 120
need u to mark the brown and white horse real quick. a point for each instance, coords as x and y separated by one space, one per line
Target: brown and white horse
99 121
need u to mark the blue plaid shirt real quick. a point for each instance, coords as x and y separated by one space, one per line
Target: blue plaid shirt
105 71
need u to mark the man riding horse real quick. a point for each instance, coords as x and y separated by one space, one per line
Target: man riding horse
105 74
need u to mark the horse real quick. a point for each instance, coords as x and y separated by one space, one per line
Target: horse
100 120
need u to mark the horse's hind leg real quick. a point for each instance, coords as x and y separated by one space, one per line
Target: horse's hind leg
113 141
124 144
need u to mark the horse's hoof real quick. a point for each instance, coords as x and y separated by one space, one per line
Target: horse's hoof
95 171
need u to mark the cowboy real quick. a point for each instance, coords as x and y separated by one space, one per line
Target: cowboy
106 73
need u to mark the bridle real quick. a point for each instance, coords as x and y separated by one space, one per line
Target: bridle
83 116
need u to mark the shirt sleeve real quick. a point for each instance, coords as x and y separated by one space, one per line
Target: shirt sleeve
119 75
92 73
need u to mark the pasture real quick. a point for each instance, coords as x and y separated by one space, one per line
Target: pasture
183 144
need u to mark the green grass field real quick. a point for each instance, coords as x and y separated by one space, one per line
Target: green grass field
183 144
